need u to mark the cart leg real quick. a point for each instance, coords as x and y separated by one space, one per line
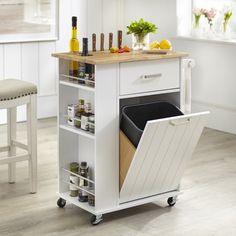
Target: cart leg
96 220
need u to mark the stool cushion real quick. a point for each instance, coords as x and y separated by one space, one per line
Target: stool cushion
13 89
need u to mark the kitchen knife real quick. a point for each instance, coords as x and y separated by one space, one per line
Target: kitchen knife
110 40
119 39
102 42
94 40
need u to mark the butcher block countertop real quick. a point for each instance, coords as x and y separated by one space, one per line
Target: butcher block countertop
99 58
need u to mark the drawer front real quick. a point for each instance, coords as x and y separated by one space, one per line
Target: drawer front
143 77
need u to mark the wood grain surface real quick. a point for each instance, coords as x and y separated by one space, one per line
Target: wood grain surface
106 57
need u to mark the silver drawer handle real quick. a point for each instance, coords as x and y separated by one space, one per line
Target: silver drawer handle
180 123
146 77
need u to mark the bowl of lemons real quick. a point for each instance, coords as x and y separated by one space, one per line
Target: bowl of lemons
162 47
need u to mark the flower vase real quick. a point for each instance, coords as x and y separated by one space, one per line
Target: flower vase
196 30
140 42
225 31
210 32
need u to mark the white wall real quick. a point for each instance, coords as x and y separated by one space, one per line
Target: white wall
33 62
214 81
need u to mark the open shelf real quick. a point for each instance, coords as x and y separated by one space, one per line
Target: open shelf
77 131
66 81
74 200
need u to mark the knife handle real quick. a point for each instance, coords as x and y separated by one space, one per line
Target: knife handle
102 42
119 39
110 40
94 40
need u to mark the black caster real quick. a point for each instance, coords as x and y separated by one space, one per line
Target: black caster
171 201
96 220
61 202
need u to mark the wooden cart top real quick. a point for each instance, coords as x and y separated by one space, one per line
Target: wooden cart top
99 58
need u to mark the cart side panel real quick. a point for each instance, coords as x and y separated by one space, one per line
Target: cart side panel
107 138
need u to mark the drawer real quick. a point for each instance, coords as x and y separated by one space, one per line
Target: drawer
143 77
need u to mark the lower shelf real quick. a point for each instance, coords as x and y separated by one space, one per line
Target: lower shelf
74 200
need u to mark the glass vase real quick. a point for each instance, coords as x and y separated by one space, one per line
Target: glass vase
140 42
226 31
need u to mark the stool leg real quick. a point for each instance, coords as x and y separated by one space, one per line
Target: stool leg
32 141
11 135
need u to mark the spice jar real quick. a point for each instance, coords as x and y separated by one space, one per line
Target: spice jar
82 67
92 80
91 198
74 167
85 117
86 78
91 121
83 171
79 113
71 112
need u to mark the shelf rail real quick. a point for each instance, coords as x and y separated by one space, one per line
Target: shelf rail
80 188
79 176
77 78
77 119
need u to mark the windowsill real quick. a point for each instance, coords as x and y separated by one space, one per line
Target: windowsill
208 40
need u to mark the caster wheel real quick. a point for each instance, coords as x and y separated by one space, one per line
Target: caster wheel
171 201
61 202
96 220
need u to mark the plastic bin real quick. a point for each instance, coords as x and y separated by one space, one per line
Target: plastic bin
134 118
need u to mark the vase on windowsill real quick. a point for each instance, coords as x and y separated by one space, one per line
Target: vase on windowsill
226 33
197 32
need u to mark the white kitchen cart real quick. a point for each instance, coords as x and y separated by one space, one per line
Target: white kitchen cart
166 144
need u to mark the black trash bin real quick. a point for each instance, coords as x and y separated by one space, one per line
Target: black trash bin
134 118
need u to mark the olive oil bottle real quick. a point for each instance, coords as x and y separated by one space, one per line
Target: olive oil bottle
74 48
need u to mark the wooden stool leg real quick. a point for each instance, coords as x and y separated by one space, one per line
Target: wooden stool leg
32 141
11 135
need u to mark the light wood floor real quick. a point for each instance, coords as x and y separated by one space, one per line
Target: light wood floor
207 206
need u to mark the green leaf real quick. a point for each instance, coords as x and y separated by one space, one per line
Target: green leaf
141 27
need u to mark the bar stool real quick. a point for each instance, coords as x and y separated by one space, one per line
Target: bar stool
15 93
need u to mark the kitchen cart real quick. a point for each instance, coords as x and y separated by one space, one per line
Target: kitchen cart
165 147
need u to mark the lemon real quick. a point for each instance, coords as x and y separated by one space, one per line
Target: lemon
165 44
154 45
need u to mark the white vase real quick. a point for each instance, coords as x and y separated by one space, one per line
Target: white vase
140 42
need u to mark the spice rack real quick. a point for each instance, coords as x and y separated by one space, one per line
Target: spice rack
72 81
75 144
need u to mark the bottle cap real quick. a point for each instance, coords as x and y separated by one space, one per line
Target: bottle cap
74 21
81 101
84 164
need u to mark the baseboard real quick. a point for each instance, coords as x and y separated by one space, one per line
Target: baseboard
222 118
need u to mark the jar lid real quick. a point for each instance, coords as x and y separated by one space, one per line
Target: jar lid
92 118
84 164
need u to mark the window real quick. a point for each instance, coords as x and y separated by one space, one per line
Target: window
207 19
27 20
